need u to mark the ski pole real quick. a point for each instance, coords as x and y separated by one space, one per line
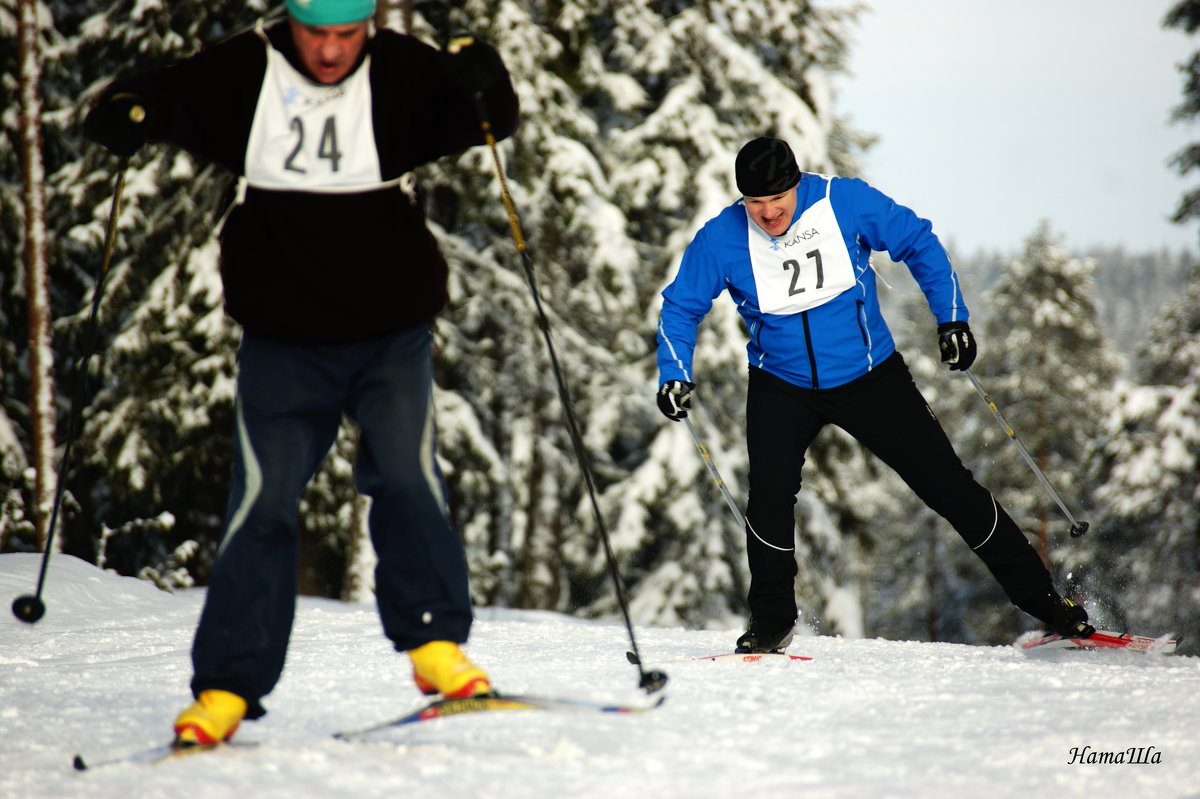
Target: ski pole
716 475
742 521
1077 528
437 13
29 608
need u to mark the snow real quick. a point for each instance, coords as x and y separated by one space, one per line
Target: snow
106 669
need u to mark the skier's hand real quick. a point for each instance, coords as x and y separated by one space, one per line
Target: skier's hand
120 122
472 65
957 345
675 399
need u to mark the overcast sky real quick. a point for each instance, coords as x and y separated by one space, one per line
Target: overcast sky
992 116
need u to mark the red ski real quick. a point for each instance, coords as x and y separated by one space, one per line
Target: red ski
1100 639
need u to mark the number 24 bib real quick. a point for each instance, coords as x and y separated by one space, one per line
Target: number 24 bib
806 266
311 137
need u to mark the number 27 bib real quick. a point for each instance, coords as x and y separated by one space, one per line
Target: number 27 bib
806 266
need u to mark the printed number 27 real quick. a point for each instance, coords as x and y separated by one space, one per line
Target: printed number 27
794 265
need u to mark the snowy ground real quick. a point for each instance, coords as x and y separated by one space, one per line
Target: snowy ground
105 671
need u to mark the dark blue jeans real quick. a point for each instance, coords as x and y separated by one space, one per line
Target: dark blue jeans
290 403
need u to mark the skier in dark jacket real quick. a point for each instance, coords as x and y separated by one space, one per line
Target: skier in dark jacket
794 254
329 267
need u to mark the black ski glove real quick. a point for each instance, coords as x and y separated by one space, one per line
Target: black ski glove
472 65
675 399
957 345
120 122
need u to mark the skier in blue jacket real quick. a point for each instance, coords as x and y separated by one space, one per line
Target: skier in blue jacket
794 254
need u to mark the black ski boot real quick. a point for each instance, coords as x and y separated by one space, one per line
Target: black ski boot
758 640
1070 620
1059 615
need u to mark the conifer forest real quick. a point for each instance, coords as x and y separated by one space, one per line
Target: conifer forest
632 113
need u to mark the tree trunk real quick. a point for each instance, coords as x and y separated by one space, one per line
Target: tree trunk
41 356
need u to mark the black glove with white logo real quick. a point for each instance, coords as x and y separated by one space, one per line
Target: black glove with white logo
675 399
957 345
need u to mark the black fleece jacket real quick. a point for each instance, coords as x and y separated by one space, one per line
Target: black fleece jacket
324 268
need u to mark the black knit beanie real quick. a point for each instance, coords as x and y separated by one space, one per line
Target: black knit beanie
766 167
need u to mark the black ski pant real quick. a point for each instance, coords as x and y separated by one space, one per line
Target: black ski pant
885 412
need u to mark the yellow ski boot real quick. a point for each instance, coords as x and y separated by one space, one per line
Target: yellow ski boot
211 719
440 667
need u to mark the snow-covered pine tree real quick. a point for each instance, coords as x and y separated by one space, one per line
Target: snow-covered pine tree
1132 289
1050 370
17 495
149 469
1185 16
1146 560
715 75
924 581
72 262
154 450
632 113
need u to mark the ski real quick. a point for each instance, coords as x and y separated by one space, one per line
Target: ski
442 708
158 754
750 657
1101 639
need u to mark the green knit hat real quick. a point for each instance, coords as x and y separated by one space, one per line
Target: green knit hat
330 12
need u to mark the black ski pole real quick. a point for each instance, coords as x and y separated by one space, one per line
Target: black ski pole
437 14
716 476
1077 528
29 608
741 520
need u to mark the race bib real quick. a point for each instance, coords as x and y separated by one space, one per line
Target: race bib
310 137
806 266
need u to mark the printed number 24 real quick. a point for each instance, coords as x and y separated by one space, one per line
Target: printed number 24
794 265
327 149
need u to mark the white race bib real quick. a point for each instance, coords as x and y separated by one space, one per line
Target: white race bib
806 266
311 137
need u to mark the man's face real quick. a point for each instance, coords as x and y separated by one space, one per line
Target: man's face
773 214
329 52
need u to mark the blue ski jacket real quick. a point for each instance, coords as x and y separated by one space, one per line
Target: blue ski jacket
838 338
